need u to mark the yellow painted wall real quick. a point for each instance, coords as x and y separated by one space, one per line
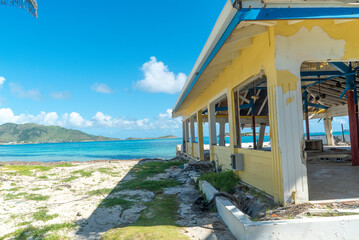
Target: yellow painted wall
189 148
222 156
195 150
257 169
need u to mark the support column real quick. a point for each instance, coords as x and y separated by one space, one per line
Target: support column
222 141
200 135
187 131
253 121
193 135
287 132
353 124
183 136
329 131
261 136
237 121
212 129
305 95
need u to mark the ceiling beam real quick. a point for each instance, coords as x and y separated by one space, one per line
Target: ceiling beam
245 33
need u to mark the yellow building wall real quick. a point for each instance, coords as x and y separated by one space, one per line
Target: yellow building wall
257 169
189 148
222 156
264 169
195 150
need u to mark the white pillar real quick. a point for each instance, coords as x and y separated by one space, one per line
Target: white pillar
193 136
187 131
329 131
262 130
183 136
200 135
212 124
222 125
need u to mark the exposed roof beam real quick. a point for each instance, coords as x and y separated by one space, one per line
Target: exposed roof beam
320 73
340 66
263 23
245 33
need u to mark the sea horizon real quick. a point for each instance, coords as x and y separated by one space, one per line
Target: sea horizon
102 150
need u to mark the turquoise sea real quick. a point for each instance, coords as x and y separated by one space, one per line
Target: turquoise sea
88 151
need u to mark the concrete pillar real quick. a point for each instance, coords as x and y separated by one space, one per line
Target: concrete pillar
187 131
222 125
353 124
286 122
193 135
183 136
212 124
212 130
262 130
200 135
329 131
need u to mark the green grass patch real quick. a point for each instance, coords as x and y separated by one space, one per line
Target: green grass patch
151 169
13 184
36 189
36 197
43 177
153 185
111 202
83 173
32 232
158 221
28 170
15 189
12 196
43 216
69 179
225 181
99 192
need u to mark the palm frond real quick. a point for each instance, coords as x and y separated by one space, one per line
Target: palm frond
29 5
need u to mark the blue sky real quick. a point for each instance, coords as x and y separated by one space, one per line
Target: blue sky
113 69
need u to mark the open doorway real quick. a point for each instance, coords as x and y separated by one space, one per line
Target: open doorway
329 92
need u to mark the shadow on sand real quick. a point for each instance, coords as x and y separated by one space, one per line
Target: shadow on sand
130 204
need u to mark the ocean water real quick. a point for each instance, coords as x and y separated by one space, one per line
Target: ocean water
88 151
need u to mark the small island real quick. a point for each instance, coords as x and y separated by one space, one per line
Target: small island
163 137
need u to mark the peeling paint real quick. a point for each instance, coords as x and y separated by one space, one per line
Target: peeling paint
289 100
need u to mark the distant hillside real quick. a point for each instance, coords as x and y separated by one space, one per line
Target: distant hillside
163 137
33 133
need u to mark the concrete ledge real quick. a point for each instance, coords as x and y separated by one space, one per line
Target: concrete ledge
326 228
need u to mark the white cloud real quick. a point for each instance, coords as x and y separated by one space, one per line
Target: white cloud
101 88
61 95
20 92
75 120
158 78
2 81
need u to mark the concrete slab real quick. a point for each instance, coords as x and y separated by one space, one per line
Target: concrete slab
332 181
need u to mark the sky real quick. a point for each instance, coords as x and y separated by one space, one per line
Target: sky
113 69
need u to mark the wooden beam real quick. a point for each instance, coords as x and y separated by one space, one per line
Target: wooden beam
263 23
245 33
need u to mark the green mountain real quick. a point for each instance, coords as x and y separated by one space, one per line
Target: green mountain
33 133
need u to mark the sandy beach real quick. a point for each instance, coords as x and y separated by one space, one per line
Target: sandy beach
77 201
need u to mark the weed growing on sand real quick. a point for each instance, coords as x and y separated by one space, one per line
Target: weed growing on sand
99 192
36 197
111 202
13 184
153 185
32 232
28 170
158 221
36 189
151 169
43 177
83 173
43 216
15 189
69 179
225 181
11 196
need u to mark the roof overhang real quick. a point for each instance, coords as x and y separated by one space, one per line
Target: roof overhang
233 18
